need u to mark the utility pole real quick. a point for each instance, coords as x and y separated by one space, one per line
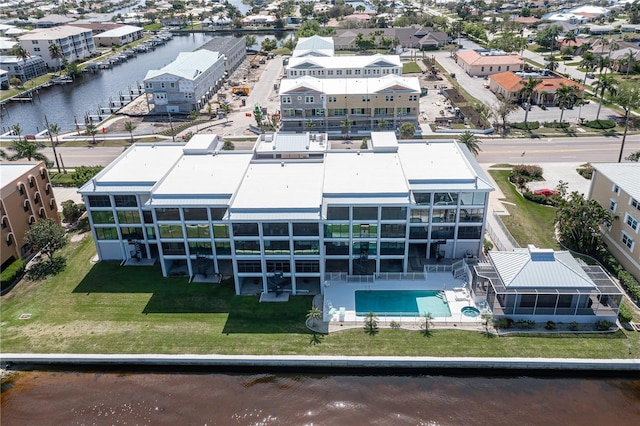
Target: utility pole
53 145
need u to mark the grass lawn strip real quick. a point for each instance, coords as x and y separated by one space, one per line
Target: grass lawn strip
106 308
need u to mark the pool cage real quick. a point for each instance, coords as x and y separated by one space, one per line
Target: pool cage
585 304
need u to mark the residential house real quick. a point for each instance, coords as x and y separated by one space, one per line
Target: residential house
259 20
75 43
26 196
414 37
615 187
508 84
532 284
185 84
620 58
24 69
289 212
120 36
6 44
482 62
313 46
343 66
234 51
53 20
4 79
345 105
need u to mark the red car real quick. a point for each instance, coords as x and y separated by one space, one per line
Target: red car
546 192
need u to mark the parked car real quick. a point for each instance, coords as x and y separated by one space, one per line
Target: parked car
546 192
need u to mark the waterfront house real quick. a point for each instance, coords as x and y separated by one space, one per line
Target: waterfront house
75 43
234 51
290 210
540 285
24 69
483 62
185 84
52 20
119 36
26 196
344 66
615 186
368 104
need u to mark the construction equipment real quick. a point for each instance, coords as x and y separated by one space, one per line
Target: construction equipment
240 91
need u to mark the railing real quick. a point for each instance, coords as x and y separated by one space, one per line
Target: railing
494 236
399 276
436 267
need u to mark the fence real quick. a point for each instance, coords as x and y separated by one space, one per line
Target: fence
495 220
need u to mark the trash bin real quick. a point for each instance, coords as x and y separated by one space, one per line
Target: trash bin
244 102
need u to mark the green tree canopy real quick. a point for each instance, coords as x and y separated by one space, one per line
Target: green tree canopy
46 236
471 141
407 130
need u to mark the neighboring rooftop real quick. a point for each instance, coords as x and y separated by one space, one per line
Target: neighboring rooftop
489 57
120 31
53 33
10 171
625 175
314 46
187 65
345 61
347 86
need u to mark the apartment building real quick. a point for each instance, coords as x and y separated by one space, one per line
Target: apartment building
344 66
24 69
26 196
616 186
290 210
185 84
119 36
75 43
348 104
234 51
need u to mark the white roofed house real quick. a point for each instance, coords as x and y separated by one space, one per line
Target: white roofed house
343 66
314 46
533 284
187 83
119 36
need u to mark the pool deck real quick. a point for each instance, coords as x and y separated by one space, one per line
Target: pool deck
341 294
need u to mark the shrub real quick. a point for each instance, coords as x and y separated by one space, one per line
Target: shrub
630 284
531 125
555 125
228 146
550 325
540 199
503 322
83 174
525 324
11 273
72 211
527 171
603 325
600 124
586 171
395 325
625 314
573 326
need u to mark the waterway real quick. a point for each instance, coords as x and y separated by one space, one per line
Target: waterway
282 399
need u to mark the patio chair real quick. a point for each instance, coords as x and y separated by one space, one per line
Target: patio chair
341 314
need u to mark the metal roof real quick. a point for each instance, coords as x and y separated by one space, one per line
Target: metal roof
625 175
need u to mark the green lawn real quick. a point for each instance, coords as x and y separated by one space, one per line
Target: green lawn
529 222
106 308
411 67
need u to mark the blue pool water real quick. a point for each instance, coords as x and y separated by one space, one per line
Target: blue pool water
402 303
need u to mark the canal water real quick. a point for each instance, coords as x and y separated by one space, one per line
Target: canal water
66 103
266 399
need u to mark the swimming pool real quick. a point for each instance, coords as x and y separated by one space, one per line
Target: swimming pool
402 303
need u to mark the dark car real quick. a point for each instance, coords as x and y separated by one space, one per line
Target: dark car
546 192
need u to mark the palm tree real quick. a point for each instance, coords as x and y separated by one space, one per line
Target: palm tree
92 130
313 315
471 141
407 130
552 62
527 90
24 54
627 97
371 323
129 127
588 63
226 108
56 53
53 129
603 63
605 83
570 36
629 59
17 130
566 98
346 125
23 148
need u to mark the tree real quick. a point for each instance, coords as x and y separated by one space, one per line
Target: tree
83 174
269 44
313 315
407 130
604 83
548 37
23 54
73 70
382 124
471 141
72 211
46 236
588 63
629 59
566 98
92 130
129 127
309 125
427 323
53 129
527 90
17 130
228 146
55 52
250 40
552 62
226 108
346 124
570 36
258 115
371 324
24 148
501 110
628 97
634 157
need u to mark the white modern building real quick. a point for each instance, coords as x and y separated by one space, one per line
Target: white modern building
119 36
291 210
75 43
343 66
187 83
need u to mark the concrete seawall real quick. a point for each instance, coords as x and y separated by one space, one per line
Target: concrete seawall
294 362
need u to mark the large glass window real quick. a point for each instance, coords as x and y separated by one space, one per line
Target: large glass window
363 230
221 231
102 217
305 229
173 249
167 214
417 233
195 214
471 215
364 248
336 248
444 215
472 198
336 230
445 199
276 247
128 216
170 231
151 232
125 200
131 233
308 266
365 213
469 232
249 266
99 201
223 248
394 213
306 247
422 198
200 248
390 248
442 232
419 215
278 266
200 230
147 216
106 233
393 230
217 213
338 213
247 247
245 229
275 229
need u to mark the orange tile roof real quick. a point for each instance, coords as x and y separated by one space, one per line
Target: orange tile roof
507 80
554 83
472 57
512 83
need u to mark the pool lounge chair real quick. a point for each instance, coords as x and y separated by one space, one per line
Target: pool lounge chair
461 294
341 314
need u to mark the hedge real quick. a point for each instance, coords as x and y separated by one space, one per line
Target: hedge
540 199
531 172
600 124
555 125
630 284
530 125
625 314
13 271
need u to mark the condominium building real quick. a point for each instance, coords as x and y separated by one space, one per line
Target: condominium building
187 83
290 210
24 69
344 66
234 51
615 186
119 36
26 196
348 104
75 43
